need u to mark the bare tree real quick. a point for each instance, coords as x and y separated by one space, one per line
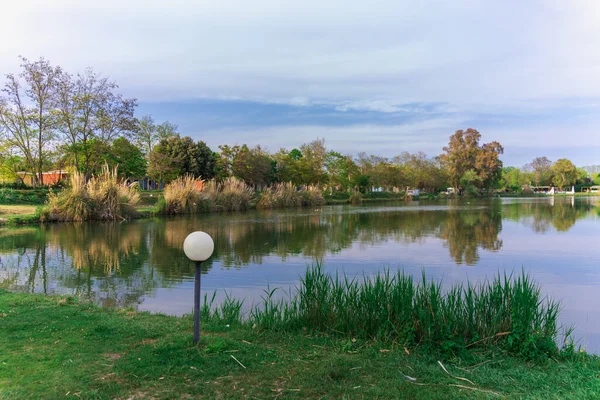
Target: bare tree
27 111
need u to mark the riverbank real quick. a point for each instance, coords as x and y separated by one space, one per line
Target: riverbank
55 347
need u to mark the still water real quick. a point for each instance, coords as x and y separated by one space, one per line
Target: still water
141 263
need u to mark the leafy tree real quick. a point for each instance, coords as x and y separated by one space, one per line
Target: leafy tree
463 154
9 164
340 169
89 111
129 158
565 173
312 162
288 167
254 166
514 179
27 121
583 177
420 171
176 156
224 161
470 181
541 168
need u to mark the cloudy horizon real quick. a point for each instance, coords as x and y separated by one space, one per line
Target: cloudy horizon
382 77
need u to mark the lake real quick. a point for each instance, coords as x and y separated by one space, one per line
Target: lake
141 263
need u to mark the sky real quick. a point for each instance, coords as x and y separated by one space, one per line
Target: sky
380 76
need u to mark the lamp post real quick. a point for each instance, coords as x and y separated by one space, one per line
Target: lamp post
198 246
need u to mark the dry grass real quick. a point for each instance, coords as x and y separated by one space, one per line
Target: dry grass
286 195
231 195
6 211
103 197
181 196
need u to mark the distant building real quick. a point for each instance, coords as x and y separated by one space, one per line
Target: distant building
48 178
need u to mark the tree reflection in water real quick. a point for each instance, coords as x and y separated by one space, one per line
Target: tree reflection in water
117 264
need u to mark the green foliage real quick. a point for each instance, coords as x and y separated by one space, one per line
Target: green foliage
305 166
253 166
128 158
509 313
470 181
513 179
565 173
13 196
176 156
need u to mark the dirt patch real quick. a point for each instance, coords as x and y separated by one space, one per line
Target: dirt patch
148 341
113 356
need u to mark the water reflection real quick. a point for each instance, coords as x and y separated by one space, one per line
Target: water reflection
120 264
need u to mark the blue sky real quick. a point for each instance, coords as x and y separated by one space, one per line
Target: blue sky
381 76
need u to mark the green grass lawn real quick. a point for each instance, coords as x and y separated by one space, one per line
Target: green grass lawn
57 347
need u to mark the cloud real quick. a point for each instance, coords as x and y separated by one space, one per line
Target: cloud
378 54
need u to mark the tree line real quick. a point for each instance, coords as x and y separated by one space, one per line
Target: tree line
52 119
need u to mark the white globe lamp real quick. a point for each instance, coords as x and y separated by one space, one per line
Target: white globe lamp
198 247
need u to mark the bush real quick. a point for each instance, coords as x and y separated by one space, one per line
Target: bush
101 198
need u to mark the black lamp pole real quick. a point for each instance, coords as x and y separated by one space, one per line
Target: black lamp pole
197 303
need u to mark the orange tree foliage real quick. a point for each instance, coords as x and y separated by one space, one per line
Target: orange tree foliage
464 153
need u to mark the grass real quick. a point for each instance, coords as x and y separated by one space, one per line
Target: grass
23 196
286 195
103 197
57 347
19 214
11 210
508 313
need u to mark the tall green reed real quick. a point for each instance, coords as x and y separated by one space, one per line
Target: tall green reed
507 312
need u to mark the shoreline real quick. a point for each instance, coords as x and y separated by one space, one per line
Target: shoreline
147 210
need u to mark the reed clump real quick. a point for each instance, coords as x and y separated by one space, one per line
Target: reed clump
230 195
286 195
356 198
181 196
103 197
186 196
507 312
